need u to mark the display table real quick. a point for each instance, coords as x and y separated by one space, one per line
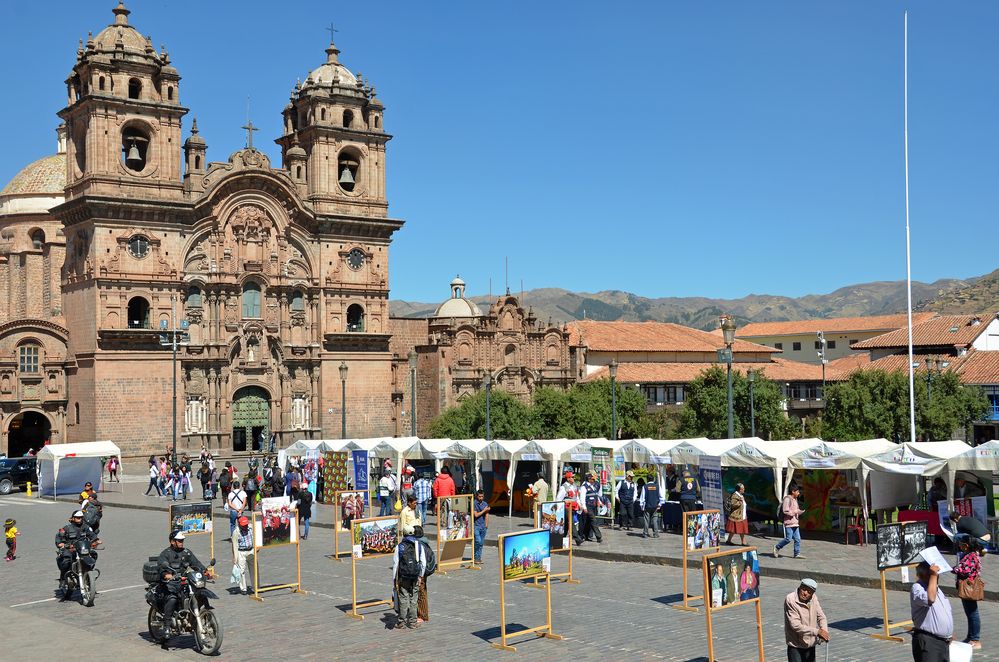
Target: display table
931 518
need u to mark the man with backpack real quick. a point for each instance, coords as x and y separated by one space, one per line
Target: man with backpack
409 565
251 485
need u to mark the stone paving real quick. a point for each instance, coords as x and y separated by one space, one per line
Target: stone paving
621 610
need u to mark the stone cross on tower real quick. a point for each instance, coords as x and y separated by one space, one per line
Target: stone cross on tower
331 30
249 133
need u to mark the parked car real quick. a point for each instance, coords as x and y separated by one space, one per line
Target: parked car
16 472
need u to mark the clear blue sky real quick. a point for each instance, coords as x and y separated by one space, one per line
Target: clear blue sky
663 148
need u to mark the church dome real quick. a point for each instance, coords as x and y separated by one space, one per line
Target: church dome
330 71
457 305
120 31
44 177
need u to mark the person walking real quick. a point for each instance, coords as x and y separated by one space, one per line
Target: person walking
113 469
591 498
224 482
968 572
480 513
304 498
251 485
444 484
690 492
790 511
627 495
235 503
386 493
242 548
649 501
408 565
154 479
804 622
10 534
932 619
423 489
736 515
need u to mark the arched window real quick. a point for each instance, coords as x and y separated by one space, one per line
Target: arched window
355 319
348 167
134 88
378 122
197 162
510 355
76 412
138 313
194 297
298 172
27 358
322 114
169 94
37 240
297 301
134 148
251 301
348 118
100 83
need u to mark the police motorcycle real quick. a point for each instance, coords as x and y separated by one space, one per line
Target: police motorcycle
79 577
194 615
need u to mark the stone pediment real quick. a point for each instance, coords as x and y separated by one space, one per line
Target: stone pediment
244 159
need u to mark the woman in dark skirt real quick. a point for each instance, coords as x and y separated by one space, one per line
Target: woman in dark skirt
736 515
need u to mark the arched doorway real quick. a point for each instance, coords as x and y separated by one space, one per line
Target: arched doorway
29 430
251 419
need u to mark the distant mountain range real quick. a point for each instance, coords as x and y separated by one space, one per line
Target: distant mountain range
974 295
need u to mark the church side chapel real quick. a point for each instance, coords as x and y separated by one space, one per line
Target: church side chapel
276 274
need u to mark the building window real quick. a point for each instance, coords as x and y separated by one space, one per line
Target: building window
348 119
28 359
355 319
100 83
76 412
138 313
169 94
298 301
378 122
134 149
134 88
831 344
853 340
251 301
796 346
37 240
348 166
194 297
818 345
779 345
138 246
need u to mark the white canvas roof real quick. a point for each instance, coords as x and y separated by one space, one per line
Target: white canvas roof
82 449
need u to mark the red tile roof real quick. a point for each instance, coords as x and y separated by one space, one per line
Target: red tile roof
832 325
781 370
942 331
651 337
843 366
979 368
975 367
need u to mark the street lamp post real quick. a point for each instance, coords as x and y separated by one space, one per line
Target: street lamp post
487 382
933 365
412 397
612 369
728 333
343 399
751 376
822 358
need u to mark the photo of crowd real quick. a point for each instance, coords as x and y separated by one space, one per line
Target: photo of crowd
525 554
277 526
900 543
191 517
350 506
703 531
375 536
734 577
456 517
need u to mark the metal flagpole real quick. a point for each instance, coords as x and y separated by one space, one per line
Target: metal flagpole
908 254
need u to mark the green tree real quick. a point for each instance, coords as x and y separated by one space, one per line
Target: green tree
509 418
875 403
705 410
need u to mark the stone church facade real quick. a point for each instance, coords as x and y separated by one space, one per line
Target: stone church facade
279 275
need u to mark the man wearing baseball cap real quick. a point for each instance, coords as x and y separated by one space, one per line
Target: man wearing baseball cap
242 549
804 622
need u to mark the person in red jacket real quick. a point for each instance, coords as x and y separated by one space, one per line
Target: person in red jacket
444 484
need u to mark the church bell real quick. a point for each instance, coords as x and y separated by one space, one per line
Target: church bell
346 177
133 159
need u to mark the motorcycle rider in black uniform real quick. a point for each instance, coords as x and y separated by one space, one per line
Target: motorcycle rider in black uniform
173 561
64 540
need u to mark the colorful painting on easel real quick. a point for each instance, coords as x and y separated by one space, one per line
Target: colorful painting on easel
526 554
823 491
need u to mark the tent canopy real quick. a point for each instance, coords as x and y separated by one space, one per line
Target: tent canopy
83 449
65 468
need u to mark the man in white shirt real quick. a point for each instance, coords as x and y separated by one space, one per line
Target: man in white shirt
932 620
386 492
236 504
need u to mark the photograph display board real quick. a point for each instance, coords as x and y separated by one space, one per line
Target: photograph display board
553 517
900 543
374 536
335 474
454 531
371 538
601 461
701 534
275 527
976 507
726 589
735 577
702 530
349 506
526 554
191 518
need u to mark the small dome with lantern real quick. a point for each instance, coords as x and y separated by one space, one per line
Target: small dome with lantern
457 305
331 72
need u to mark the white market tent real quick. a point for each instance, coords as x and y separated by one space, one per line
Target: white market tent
65 468
842 455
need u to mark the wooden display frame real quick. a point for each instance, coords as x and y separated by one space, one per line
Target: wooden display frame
888 625
708 609
337 519
296 586
453 545
566 577
687 598
354 605
543 631
211 512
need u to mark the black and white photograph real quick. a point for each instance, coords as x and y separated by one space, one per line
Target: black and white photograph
889 546
913 541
